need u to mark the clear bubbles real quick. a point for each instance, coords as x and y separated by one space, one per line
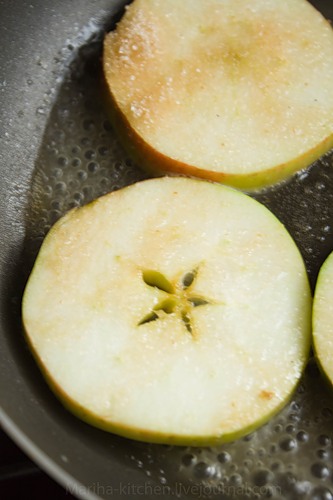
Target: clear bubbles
85 141
88 125
203 470
324 440
75 150
235 479
290 428
76 162
93 166
56 173
188 459
62 161
323 454
79 150
320 470
56 204
103 151
262 477
60 188
302 436
288 444
224 457
78 197
321 493
90 154
82 175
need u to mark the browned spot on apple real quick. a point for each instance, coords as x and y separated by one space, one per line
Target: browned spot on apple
266 394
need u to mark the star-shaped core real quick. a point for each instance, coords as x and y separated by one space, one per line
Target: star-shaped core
180 298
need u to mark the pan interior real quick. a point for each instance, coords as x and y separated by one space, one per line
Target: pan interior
80 159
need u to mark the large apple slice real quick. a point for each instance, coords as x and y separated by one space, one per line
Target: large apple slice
174 310
234 91
323 318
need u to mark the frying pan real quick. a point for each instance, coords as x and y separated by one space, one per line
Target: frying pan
58 150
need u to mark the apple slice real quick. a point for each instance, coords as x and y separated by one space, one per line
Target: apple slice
232 91
174 311
323 319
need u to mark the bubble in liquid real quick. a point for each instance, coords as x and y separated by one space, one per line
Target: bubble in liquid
288 444
324 440
88 124
224 457
60 187
290 428
104 182
203 470
276 466
321 493
78 197
93 167
90 154
85 141
293 417
62 161
248 437
188 459
294 406
103 150
302 436
235 480
320 470
262 477
163 480
56 204
82 175
323 454
76 162
57 173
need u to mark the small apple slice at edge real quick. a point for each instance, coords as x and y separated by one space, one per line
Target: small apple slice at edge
173 311
323 319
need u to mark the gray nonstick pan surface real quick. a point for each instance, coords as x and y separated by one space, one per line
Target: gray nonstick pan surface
58 150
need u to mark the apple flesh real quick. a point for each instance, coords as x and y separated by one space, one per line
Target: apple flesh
173 311
323 319
235 92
